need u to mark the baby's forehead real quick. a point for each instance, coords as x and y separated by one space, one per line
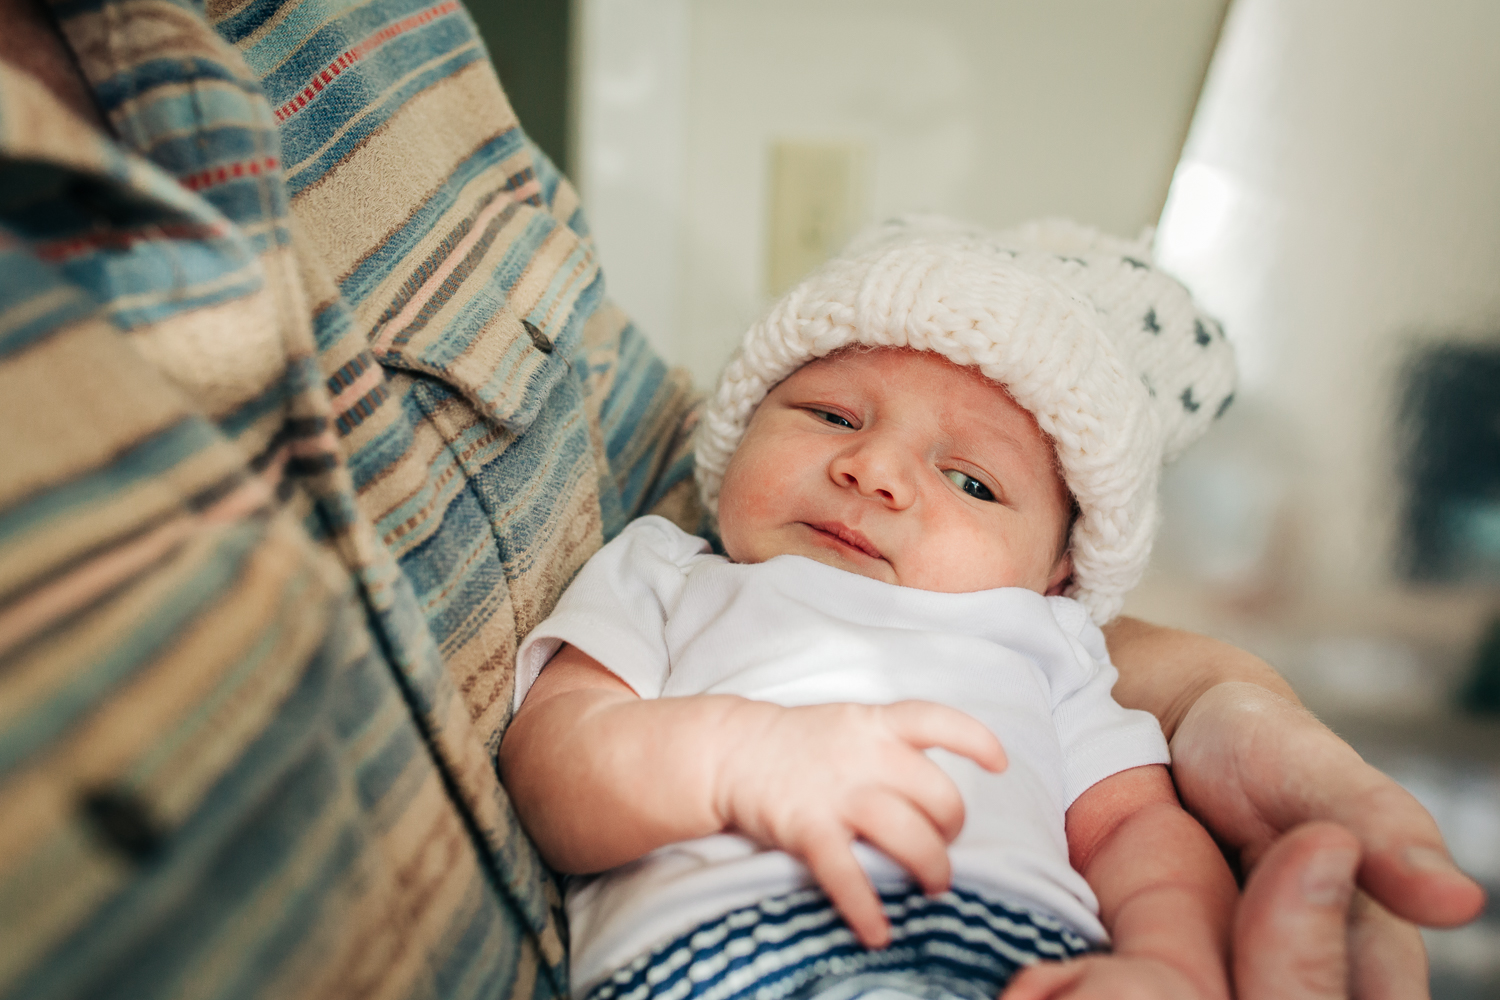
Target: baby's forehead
863 365
965 403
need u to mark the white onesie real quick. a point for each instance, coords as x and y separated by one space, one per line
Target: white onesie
669 618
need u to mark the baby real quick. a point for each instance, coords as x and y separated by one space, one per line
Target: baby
934 469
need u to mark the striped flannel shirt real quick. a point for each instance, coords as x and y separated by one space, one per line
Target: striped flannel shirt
312 403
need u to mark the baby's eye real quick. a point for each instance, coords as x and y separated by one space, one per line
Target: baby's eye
832 418
969 485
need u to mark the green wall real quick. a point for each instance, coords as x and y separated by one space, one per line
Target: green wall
529 42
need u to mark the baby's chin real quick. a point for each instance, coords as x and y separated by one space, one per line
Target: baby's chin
873 569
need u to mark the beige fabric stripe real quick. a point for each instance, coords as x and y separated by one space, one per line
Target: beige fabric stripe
217 10
67 423
351 210
61 540
204 719
158 30
221 356
57 886
482 664
466 205
146 715
136 108
34 307
456 255
36 125
257 919
541 270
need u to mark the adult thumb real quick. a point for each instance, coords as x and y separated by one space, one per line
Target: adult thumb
1291 931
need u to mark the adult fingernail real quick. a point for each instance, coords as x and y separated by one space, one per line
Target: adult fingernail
1428 859
1329 876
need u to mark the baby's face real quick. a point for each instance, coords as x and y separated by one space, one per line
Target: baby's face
903 467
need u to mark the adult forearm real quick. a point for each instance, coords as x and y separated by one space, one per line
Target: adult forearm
1164 671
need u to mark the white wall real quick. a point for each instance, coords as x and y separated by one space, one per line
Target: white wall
993 111
1337 203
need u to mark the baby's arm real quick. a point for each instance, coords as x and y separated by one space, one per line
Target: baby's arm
1165 893
600 776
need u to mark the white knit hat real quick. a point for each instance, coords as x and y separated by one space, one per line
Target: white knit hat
1111 355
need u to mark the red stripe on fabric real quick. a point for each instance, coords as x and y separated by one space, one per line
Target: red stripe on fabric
57 250
226 172
362 49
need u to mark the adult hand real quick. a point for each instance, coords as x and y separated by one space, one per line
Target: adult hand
1309 819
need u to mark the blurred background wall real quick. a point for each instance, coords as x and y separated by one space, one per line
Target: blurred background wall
994 111
1325 174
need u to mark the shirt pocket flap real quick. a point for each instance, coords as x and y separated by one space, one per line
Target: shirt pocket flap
500 318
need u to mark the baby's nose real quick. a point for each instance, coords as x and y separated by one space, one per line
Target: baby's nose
877 471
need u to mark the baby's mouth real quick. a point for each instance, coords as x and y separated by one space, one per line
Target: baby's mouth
848 536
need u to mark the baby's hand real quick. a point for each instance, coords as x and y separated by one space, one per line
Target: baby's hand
809 781
1106 977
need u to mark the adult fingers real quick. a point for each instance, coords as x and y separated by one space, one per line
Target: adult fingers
1386 956
1290 939
1251 765
924 724
1044 980
839 874
891 823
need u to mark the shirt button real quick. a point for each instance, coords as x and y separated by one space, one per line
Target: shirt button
124 822
537 337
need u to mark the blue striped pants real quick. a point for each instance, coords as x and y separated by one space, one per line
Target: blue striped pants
956 946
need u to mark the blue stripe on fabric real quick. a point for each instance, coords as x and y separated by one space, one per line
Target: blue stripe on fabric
169 305
234 846
54 713
243 22
182 154
384 450
183 116
547 175
316 33
550 460
142 77
26 282
151 458
158 264
631 403
474 954
378 775
465 582
302 138
331 325
397 248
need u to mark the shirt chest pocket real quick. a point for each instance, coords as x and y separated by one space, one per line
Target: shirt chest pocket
498 315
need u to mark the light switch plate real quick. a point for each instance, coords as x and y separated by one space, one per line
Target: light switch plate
818 198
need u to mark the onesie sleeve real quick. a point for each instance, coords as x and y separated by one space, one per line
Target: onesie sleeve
615 610
1099 736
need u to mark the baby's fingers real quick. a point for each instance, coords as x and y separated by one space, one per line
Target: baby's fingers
906 834
839 875
924 724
